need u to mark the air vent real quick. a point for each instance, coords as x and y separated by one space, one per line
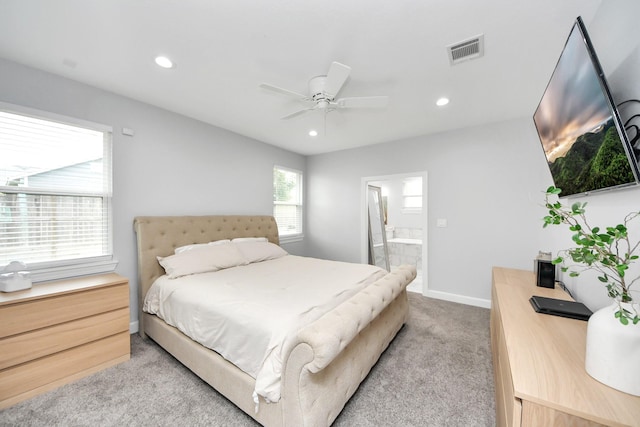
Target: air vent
467 49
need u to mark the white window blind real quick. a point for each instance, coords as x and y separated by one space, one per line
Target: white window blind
287 202
412 195
55 191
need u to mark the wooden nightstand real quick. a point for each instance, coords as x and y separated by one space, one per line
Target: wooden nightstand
58 332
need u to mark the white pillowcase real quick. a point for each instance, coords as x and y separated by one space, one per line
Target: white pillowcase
200 245
256 251
202 259
249 239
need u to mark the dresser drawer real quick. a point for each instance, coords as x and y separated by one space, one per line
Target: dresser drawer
50 371
29 346
39 313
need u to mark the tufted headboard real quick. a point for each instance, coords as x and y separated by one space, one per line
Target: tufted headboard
160 235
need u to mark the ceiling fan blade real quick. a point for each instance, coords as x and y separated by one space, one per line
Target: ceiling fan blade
284 91
337 75
363 102
296 114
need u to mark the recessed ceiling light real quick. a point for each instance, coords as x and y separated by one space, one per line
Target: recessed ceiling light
442 102
313 133
164 62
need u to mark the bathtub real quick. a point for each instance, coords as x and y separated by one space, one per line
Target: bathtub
405 251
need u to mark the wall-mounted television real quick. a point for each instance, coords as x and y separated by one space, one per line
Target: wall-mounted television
584 140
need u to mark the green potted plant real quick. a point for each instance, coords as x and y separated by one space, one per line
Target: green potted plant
610 251
613 332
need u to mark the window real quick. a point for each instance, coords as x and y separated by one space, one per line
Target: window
55 194
287 202
412 195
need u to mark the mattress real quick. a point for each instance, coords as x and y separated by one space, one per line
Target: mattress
250 313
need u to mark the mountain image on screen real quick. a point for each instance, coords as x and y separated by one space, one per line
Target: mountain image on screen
595 160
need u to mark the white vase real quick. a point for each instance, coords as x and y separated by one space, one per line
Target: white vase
613 350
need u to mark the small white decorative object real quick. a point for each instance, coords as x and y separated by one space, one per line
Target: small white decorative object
14 277
613 349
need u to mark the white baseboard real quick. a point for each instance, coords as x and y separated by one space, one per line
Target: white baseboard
133 327
477 302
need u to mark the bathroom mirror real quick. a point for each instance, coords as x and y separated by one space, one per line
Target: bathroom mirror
378 251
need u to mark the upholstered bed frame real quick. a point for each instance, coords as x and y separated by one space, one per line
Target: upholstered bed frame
332 355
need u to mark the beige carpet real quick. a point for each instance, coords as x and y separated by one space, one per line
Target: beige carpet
437 372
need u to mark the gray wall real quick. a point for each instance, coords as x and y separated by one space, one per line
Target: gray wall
486 181
173 165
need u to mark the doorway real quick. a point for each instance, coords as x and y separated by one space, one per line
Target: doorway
405 213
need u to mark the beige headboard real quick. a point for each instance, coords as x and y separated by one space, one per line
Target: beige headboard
160 235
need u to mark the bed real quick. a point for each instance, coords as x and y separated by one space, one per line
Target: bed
326 359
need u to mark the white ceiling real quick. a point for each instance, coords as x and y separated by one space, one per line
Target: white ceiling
225 48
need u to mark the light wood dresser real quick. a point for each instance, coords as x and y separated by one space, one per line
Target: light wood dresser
538 363
57 332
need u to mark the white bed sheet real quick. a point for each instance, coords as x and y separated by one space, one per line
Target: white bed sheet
249 314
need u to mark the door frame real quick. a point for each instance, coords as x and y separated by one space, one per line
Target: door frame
364 230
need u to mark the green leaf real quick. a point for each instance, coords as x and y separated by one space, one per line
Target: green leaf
553 190
605 238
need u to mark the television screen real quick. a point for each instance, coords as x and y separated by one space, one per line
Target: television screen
582 135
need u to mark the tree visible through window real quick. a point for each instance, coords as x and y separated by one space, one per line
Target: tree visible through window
287 202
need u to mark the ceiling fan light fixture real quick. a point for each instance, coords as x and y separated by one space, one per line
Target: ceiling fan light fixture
441 102
164 62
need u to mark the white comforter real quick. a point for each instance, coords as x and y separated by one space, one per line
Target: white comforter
249 314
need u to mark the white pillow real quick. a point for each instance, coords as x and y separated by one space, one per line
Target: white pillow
202 259
200 245
254 251
249 239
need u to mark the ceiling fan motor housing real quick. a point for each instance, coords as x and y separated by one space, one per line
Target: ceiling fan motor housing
317 89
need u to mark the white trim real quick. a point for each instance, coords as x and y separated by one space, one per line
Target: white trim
411 211
364 232
47 115
73 270
291 239
134 327
299 236
445 296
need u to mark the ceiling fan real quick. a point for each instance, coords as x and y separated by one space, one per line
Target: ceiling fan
323 91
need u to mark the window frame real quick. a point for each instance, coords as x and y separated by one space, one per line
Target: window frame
408 195
299 235
67 268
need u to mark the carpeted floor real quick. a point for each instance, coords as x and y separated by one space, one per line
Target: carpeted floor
437 372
